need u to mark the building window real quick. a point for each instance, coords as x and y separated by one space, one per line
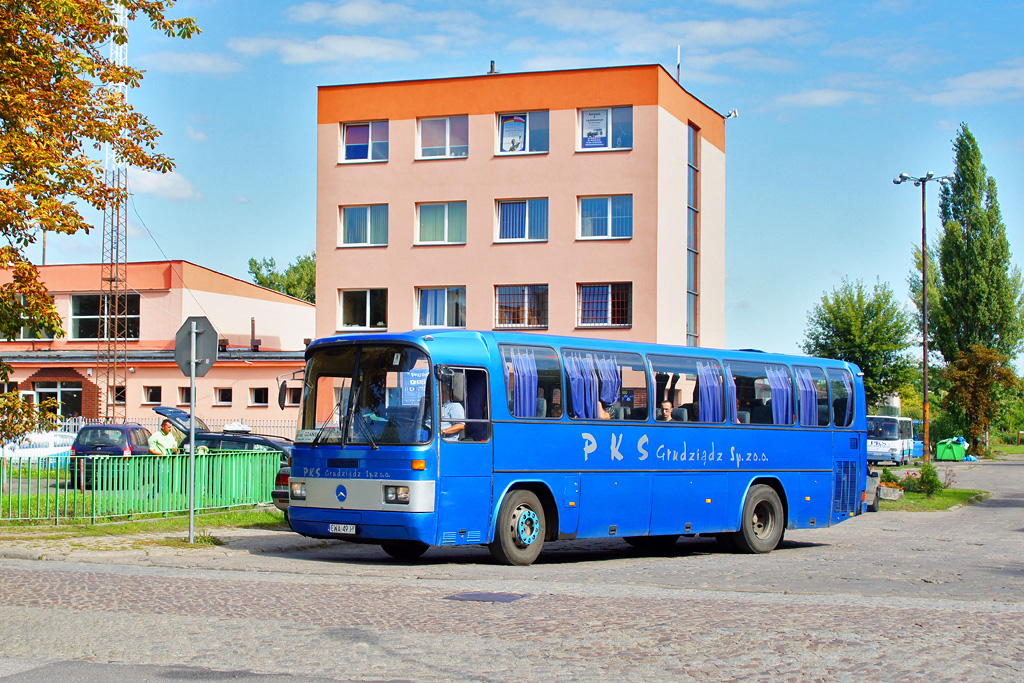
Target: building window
523 220
364 225
523 133
605 305
152 394
259 396
184 396
693 239
444 138
222 396
67 394
8 387
89 312
293 397
442 223
606 217
120 394
364 141
26 333
441 306
606 128
363 309
521 306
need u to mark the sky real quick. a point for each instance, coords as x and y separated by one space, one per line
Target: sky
834 99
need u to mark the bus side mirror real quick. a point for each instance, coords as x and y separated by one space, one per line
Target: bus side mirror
282 393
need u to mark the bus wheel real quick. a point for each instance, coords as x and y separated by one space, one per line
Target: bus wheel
652 542
520 532
404 550
761 526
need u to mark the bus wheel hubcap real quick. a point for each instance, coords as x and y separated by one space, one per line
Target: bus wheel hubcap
526 524
763 520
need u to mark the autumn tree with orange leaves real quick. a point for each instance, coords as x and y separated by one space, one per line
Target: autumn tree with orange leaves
58 108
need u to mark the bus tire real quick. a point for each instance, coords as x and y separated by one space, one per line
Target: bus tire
652 542
763 522
519 535
404 550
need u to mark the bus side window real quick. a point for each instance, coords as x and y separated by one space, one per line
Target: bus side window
763 392
464 400
533 381
812 394
841 384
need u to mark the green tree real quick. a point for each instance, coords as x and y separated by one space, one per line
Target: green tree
980 291
973 379
865 327
297 280
58 106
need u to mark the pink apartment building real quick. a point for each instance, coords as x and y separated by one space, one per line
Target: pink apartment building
587 202
242 384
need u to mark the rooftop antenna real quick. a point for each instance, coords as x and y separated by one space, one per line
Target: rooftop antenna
112 336
679 60
493 70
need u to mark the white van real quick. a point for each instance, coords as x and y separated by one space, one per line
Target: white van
890 439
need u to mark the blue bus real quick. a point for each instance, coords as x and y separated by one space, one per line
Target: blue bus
457 437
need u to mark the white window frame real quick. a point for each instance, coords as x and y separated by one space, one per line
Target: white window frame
582 126
101 317
145 395
342 147
449 291
217 399
447 210
526 232
252 397
25 333
369 312
289 392
342 244
183 396
608 203
499 135
447 138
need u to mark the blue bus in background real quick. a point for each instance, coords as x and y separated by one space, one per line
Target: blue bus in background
455 437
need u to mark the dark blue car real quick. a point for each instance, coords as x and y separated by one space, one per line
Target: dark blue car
105 441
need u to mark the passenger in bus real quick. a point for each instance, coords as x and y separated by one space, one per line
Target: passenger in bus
602 411
665 414
451 413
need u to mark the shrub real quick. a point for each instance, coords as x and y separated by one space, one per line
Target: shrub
888 477
930 482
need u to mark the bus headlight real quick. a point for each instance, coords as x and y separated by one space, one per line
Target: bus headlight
396 495
298 490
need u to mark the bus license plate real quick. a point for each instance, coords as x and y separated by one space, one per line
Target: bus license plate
341 528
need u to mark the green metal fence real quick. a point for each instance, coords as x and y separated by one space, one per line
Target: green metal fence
63 490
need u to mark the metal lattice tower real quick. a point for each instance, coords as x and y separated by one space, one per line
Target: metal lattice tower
112 351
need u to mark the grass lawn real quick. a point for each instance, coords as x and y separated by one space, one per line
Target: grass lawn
258 518
1007 449
943 500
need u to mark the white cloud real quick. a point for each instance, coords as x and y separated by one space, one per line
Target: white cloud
757 5
980 87
243 200
171 186
190 62
360 12
197 135
823 97
327 49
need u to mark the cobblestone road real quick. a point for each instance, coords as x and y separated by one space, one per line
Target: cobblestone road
884 597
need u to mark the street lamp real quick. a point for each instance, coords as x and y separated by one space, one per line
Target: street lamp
921 182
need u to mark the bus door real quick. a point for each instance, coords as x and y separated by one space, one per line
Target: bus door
849 465
465 455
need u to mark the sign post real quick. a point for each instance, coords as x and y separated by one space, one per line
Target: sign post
195 352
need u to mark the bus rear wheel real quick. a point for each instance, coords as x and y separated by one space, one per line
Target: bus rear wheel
519 536
762 524
404 550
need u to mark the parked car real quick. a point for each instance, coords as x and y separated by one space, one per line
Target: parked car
105 440
280 493
226 440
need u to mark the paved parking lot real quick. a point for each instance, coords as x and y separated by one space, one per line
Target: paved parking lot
887 596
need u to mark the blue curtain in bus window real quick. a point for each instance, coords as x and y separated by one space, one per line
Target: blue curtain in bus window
808 394
848 383
730 392
782 394
574 380
611 381
524 384
583 384
622 216
710 408
512 221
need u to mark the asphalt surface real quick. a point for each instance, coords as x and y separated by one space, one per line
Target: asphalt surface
887 596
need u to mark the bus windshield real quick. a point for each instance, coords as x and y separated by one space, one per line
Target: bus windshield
884 428
367 395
